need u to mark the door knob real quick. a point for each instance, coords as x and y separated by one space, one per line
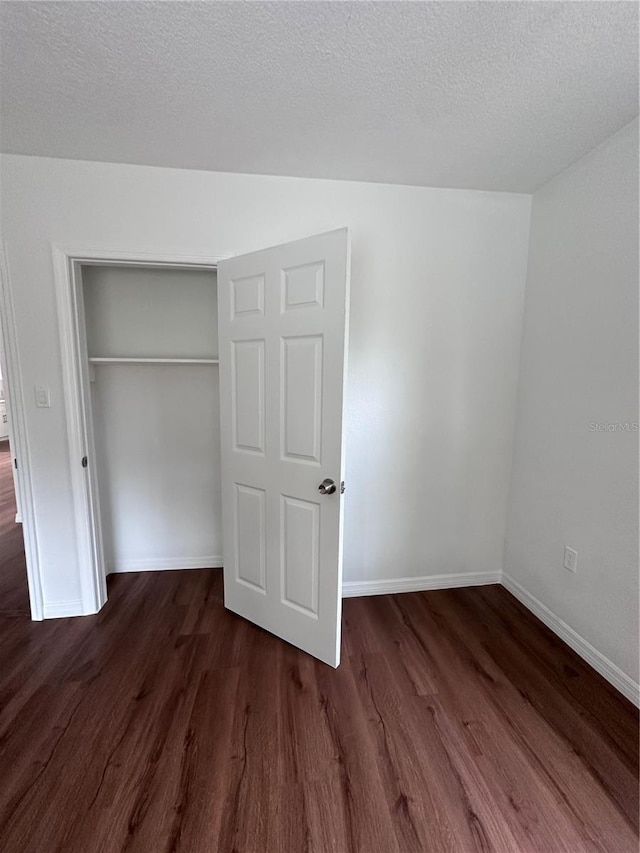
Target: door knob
327 487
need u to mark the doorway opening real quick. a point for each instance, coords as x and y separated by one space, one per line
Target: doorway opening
14 587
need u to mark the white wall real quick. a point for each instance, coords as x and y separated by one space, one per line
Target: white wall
157 441
437 295
156 426
579 366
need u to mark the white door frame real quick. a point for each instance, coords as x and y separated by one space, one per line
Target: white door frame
73 352
19 440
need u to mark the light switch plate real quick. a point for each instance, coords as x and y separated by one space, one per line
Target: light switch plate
43 397
570 559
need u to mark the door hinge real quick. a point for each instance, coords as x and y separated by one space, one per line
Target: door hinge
85 461
15 463
342 487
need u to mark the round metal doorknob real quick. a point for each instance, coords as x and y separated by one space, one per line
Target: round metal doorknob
327 487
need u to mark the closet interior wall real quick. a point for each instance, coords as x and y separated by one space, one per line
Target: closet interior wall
152 341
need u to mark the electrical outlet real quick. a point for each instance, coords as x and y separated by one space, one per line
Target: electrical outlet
570 559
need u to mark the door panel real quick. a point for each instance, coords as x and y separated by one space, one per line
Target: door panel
250 536
300 554
282 324
301 394
247 296
303 286
247 391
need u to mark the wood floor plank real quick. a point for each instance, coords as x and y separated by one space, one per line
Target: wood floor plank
484 728
457 722
357 783
558 763
261 776
423 786
580 729
199 811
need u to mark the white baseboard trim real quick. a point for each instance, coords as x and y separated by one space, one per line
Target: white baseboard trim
613 674
63 609
351 589
164 564
18 518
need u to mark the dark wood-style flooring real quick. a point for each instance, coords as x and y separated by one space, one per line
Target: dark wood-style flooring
457 722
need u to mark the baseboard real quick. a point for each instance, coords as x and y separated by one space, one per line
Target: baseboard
351 589
18 518
63 609
613 674
162 564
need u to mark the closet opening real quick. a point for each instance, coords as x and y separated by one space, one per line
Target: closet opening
153 414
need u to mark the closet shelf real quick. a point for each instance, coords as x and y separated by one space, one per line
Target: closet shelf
135 360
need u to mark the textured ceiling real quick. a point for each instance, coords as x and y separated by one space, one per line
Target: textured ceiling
498 96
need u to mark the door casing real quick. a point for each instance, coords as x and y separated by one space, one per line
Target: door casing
73 350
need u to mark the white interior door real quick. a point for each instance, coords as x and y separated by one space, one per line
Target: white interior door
282 324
